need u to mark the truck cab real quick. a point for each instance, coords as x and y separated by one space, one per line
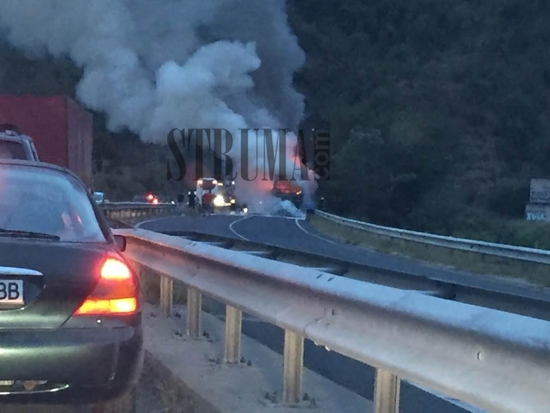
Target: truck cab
205 185
16 145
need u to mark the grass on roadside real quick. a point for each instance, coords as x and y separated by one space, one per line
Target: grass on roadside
463 260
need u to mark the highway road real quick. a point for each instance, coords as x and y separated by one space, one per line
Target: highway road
300 236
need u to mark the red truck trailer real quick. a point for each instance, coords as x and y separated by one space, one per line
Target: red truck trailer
61 129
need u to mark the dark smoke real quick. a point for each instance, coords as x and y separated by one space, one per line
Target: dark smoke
152 66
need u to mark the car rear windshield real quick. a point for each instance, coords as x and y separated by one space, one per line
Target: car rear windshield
46 201
12 150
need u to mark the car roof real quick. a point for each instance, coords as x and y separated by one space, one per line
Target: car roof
9 132
37 165
14 138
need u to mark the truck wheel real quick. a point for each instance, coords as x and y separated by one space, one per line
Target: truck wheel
123 404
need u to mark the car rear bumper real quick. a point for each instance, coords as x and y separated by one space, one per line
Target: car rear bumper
80 364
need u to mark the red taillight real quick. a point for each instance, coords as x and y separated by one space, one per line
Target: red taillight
115 293
114 269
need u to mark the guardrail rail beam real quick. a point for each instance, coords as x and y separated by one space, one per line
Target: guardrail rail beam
403 334
474 246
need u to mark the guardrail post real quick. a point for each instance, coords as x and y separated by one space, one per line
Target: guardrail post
233 323
293 365
166 294
194 299
386 392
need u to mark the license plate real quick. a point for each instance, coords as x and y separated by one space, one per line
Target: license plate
11 292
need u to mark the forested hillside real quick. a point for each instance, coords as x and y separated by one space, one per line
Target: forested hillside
438 109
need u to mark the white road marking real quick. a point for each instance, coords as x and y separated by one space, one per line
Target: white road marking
297 221
235 232
138 225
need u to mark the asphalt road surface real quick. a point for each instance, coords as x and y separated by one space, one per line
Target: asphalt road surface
300 236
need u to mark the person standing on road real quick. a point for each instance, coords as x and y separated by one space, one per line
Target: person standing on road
207 201
181 203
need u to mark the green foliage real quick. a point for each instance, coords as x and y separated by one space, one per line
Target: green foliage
438 112
457 93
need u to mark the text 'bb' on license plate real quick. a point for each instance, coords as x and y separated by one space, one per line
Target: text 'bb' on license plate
11 292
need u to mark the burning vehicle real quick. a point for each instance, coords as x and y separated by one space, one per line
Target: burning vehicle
288 190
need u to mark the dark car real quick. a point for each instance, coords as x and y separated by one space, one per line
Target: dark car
15 145
70 313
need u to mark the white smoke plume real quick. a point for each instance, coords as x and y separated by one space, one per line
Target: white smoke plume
152 66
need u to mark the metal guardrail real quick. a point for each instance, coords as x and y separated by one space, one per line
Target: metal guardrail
501 296
496 361
481 247
133 210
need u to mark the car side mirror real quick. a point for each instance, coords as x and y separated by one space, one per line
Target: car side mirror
120 241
